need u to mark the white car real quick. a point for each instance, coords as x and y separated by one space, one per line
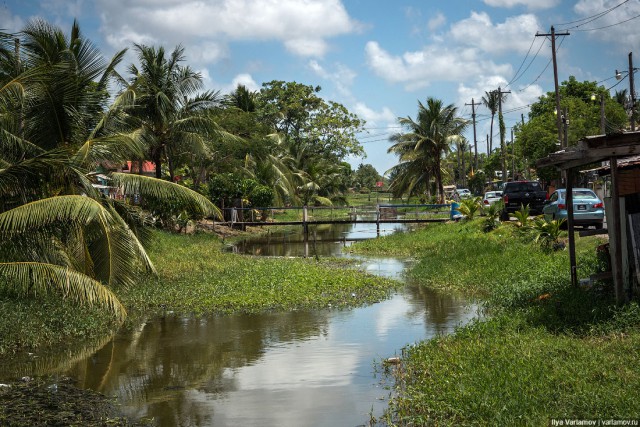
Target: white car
464 193
491 197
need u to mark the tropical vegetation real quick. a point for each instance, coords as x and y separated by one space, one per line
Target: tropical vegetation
74 221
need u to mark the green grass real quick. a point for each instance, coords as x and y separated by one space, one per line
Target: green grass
29 324
546 350
504 372
195 277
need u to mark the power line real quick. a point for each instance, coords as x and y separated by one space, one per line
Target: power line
612 25
592 18
523 61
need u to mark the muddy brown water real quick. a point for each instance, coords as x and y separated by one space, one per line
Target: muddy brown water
300 368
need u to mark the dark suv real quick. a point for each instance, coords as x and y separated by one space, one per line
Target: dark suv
522 193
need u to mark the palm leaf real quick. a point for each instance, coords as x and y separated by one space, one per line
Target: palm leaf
161 189
37 278
77 209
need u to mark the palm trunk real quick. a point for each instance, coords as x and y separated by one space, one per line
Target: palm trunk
491 135
438 177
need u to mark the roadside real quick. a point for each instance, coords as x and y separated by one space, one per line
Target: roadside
545 351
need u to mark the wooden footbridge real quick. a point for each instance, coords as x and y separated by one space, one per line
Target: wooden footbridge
308 215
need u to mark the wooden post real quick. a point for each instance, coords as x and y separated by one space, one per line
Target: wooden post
614 221
378 220
305 226
572 238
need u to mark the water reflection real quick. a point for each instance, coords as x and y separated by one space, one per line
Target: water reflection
323 240
300 368
275 369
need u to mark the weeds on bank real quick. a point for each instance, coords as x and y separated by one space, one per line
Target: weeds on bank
195 277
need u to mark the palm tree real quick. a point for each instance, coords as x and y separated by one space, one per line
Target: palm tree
621 97
242 99
429 137
491 100
58 233
170 107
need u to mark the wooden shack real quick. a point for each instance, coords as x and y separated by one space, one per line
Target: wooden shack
622 207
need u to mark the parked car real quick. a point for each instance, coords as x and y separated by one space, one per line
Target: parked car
464 193
588 209
516 194
491 197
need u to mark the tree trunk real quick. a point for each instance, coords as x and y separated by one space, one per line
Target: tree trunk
491 135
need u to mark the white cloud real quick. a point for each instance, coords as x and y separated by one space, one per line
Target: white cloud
9 22
341 76
302 26
419 68
530 4
244 79
372 117
436 22
63 7
622 35
514 34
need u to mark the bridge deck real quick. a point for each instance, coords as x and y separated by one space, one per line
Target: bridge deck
338 221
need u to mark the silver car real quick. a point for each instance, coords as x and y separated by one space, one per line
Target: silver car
491 197
588 209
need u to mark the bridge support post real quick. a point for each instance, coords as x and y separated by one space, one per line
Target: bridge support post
305 225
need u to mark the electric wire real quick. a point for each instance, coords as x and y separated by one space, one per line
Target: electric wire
593 16
515 76
612 25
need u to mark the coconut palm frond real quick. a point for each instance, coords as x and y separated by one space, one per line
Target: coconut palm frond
14 148
116 148
40 213
134 240
37 278
161 189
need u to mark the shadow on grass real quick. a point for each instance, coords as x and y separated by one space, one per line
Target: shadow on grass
581 311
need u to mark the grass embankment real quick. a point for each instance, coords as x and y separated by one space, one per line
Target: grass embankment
194 277
547 350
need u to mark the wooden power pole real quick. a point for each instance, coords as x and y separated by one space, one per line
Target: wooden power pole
553 36
475 140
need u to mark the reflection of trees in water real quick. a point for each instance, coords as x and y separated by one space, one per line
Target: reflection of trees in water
164 368
437 308
50 363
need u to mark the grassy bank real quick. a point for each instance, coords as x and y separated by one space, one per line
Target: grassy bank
194 277
547 349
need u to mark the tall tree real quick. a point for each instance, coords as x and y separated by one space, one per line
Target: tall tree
58 232
428 138
171 106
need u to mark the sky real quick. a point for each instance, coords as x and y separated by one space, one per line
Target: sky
377 58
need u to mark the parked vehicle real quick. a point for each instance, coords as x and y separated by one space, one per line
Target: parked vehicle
588 209
516 194
464 193
491 197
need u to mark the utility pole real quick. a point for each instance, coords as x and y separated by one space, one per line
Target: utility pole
503 150
633 96
603 130
553 36
565 126
513 156
475 141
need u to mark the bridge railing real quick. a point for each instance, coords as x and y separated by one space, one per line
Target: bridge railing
336 213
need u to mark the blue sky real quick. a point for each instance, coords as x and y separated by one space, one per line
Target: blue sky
378 58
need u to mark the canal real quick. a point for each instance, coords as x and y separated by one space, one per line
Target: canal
299 368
